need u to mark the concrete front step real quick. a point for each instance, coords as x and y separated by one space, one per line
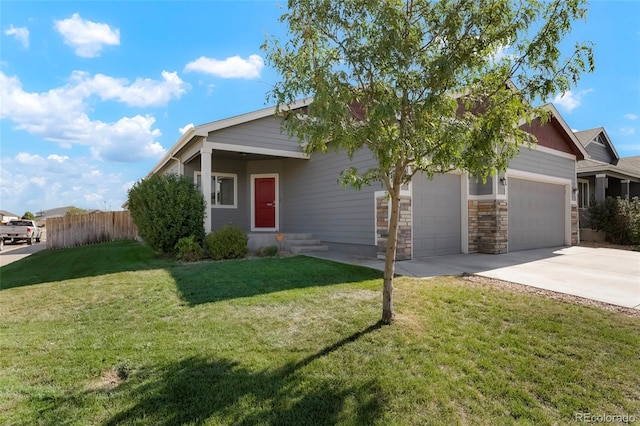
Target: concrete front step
289 240
308 249
306 242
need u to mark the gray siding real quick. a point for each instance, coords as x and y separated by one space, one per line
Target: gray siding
600 153
231 216
313 200
262 133
171 167
544 164
536 214
436 215
191 167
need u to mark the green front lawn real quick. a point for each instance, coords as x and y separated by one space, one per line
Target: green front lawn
110 334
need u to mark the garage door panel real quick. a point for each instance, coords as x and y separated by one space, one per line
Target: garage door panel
436 215
537 214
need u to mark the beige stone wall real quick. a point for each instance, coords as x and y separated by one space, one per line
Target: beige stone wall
575 225
474 237
404 243
488 226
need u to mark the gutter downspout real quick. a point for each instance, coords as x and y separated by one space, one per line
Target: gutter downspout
180 165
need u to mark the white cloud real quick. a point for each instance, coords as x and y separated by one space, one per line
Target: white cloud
41 184
142 92
569 100
627 131
128 140
93 198
39 181
20 33
184 129
233 67
631 117
500 53
28 159
87 37
60 115
58 158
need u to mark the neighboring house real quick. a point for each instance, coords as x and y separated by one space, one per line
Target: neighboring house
43 215
262 181
6 216
605 174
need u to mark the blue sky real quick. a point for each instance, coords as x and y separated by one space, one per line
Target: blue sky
93 93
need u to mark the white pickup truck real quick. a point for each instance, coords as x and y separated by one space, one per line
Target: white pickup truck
20 230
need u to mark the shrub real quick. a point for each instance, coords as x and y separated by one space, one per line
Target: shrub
228 242
166 208
188 249
269 251
619 218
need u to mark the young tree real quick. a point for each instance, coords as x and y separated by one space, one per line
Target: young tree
426 86
75 211
29 216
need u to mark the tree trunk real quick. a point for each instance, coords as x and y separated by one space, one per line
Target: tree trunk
390 261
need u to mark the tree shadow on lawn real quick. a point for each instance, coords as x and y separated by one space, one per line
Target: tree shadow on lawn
195 389
80 262
216 281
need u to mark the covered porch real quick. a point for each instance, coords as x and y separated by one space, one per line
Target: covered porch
598 181
246 185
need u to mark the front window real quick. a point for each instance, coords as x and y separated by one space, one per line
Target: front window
224 189
583 193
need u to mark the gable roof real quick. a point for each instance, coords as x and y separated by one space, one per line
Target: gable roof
627 168
567 130
6 213
203 130
630 164
587 136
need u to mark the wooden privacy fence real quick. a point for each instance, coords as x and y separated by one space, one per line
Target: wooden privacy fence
83 229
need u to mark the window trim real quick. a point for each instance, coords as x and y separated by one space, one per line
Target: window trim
216 175
581 195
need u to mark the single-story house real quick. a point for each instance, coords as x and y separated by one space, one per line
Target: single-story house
261 180
605 174
6 216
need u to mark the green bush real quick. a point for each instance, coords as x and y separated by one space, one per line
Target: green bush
228 242
269 251
166 208
619 218
188 249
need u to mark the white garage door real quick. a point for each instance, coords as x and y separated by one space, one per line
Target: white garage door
537 214
436 215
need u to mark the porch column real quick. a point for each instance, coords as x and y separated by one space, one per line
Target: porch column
601 184
624 188
206 154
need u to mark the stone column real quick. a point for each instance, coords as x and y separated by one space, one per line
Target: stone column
492 228
575 225
404 243
474 237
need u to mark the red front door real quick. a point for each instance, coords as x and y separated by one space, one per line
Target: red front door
265 202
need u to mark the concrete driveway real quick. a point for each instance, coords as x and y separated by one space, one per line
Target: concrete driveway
13 252
606 275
